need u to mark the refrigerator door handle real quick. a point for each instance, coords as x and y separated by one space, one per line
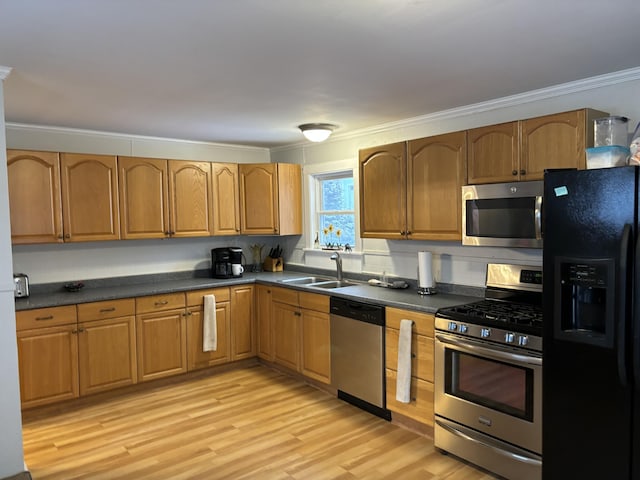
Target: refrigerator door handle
636 320
622 306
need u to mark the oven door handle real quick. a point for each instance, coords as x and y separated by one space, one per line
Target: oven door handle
489 352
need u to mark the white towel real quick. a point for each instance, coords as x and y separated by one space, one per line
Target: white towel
403 384
209 325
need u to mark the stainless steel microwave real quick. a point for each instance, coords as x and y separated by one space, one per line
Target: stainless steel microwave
503 214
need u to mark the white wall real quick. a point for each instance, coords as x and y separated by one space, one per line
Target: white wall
616 93
11 454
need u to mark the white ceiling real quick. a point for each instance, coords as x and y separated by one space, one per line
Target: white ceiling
249 71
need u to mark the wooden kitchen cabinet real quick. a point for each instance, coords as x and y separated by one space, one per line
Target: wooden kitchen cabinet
161 334
196 357
47 355
226 198
35 202
190 199
243 329
436 172
270 199
106 345
522 150
285 315
411 190
144 197
420 408
264 322
89 197
383 191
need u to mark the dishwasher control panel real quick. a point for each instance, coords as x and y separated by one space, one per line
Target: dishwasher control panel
364 312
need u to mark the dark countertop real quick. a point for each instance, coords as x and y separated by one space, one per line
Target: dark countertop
50 295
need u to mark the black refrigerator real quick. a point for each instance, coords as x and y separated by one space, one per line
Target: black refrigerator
591 329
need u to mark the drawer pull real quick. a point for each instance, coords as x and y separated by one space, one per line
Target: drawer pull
107 310
48 317
161 303
413 355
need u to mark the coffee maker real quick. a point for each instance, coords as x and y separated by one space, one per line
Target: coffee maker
226 262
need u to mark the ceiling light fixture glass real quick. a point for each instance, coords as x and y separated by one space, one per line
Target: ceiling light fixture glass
316 132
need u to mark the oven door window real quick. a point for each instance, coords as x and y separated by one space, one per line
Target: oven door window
497 385
501 217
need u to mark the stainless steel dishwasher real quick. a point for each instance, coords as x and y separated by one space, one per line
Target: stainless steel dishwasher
357 354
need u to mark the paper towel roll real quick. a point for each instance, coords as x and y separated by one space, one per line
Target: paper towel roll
425 270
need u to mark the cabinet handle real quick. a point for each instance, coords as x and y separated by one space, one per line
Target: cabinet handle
514 172
74 331
402 232
48 317
413 355
297 314
408 233
67 235
523 172
161 303
60 236
106 310
80 330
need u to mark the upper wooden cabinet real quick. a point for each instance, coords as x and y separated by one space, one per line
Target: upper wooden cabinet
34 197
89 197
226 198
522 150
164 198
383 184
271 199
412 190
436 172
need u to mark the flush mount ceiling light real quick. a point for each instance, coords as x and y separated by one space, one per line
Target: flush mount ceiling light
316 132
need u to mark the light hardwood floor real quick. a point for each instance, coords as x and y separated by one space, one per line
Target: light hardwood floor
249 423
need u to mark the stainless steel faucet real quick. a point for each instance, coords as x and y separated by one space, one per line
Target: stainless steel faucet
336 257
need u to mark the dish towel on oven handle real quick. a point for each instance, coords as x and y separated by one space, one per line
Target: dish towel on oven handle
403 383
209 325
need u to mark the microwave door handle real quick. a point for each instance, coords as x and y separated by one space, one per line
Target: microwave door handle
621 301
537 215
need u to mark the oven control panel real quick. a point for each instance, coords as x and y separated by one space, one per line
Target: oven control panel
491 334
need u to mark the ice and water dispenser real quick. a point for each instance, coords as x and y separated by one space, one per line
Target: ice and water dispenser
585 301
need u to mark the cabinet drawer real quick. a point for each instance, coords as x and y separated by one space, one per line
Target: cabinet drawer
314 301
422 354
423 322
421 406
196 298
106 309
156 303
45 317
285 295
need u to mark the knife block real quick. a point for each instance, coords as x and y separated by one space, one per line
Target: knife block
273 264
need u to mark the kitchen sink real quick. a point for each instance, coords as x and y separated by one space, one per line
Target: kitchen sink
305 280
333 284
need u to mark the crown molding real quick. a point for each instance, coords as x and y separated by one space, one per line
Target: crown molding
4 72
591 83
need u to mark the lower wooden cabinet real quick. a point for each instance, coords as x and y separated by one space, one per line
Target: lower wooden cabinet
196 357
243 330
420 407
316 339
264 322
161 333
286 341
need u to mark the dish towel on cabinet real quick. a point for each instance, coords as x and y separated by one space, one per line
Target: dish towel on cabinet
209 325
403 384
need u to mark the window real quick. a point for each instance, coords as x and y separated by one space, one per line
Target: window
334 219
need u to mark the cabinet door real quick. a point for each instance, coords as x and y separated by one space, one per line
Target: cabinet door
107 354
48 365
190 199
286 342
289 199
383 191
420 407
34 197
553 141
243 343
421 353
197 358
436 171
316 345
161 342
493 154
144 197
265 327
90 197
226 199
259 198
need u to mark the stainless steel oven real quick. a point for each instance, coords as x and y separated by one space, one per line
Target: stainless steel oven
488 376
503 214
